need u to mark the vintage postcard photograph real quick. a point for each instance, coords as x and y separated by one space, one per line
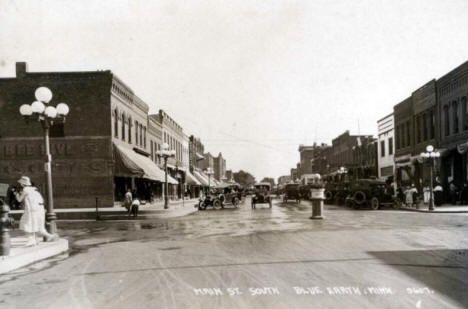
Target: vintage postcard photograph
283 154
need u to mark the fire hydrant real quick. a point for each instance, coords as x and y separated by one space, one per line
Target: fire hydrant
6 222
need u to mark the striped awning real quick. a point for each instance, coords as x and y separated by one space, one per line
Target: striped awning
201 177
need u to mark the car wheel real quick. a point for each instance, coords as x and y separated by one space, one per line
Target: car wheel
374 203
359 197
216 204
235 201
201 206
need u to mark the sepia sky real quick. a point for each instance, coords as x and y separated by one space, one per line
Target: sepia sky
252 79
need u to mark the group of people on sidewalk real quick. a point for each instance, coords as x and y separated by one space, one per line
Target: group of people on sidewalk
411 197
32 222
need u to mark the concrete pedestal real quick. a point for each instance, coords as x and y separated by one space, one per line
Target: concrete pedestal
317 209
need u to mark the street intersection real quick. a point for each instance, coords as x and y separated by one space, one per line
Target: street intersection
262 258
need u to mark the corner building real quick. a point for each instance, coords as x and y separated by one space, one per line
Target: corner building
99 152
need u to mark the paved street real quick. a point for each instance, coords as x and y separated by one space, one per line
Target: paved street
263 258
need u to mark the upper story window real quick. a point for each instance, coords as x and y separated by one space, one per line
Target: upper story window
464 113
431 124
418 129
390 146
424 121
141 134
455 116
130 129
144 137
446 120
136 132
382 148
116 123
123 126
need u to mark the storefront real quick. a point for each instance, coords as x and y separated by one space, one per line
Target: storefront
137 172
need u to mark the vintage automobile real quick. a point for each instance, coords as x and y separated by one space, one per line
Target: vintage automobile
230 194
210 200
292 192
371 193
262 194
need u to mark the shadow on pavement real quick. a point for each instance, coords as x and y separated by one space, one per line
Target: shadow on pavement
444 270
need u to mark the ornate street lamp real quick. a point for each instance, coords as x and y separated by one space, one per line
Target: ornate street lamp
46 114
165 153
209 171
430 156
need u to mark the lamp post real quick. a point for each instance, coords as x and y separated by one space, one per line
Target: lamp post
209 172
165 153
46 114
430 155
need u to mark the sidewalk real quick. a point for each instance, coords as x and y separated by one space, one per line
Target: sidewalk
446 208
176 208
21 256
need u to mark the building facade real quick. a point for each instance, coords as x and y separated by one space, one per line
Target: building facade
385 147
219 167
306 154
452 90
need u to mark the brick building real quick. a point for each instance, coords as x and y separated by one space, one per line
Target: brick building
452 91
100 151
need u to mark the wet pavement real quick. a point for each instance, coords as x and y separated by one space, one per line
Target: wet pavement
262 258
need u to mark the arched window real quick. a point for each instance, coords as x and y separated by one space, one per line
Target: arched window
136 132
455 116
123 126
116 123
141 135
129 129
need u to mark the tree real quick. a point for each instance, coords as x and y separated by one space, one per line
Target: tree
270 180
245 179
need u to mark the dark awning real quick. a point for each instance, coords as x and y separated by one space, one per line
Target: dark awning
139 166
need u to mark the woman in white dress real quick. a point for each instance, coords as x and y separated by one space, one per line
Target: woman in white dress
33 219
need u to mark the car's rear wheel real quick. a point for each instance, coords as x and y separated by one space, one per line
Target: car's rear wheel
217 204
374 203
235 201
359 197
201 206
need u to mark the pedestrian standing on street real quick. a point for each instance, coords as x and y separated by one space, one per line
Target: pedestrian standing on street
33 219
438 194
426 194
134 207
128 200
411 195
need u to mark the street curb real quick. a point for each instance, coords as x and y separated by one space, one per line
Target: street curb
23 256
434 212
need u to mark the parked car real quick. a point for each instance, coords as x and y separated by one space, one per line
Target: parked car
371 193
262 194
292 192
